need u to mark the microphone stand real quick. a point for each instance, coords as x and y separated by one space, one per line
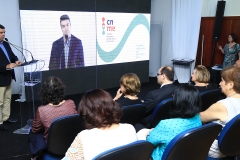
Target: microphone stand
24 58
16 47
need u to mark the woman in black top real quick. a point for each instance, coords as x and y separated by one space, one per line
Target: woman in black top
129 88
201 78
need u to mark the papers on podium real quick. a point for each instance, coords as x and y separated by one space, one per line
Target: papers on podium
217 67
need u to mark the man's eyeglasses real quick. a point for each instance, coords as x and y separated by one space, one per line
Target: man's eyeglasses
159 74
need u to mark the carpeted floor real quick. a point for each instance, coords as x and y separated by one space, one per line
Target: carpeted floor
15 146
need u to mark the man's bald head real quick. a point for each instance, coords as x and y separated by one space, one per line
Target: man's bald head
168 71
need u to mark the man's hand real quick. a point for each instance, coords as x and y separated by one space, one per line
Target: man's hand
18 63
11 65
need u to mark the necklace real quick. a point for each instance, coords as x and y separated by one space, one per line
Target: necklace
131 97
233 94
201 84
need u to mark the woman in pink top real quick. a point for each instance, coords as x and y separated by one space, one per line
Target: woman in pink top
54 106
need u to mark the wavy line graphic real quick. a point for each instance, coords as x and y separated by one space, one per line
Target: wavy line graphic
111 55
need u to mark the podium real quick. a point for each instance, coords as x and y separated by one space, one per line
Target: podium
215 74
183 62
30 88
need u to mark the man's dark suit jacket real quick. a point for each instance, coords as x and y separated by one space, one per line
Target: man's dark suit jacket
154 97
6 76
75 56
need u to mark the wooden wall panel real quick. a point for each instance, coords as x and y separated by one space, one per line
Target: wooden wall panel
226 30
236 28
230 25
206 30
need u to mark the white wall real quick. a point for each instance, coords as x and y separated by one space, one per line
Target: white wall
231 8
160 26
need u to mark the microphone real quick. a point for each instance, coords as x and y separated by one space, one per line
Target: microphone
25 63
66 37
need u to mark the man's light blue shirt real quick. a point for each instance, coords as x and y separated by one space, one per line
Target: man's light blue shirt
4 50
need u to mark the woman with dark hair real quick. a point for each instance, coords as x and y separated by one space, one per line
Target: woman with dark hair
231 51
101 118
224 110
54 106
129 88
184 113
201 78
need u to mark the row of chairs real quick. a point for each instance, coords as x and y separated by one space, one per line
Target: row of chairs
190 144
210 97
202 136
70 126
161 111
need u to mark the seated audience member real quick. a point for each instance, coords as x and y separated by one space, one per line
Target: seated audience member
129 88
54 106
224 110
201 78
184 115
101 116
165 78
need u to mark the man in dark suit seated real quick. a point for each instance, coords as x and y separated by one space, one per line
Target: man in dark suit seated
165 78
67 51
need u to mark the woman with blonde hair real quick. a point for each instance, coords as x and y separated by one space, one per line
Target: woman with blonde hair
129 88
201 78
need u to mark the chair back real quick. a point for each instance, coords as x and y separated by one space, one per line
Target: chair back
193 143
133 114
160 112
62 132
138 150
210 97
229 138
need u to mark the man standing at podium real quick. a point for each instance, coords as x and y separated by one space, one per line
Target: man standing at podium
8 61
67 51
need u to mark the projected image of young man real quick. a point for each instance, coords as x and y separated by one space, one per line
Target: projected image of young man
67 51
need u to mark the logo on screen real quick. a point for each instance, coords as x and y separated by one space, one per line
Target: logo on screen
103 26
110 26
